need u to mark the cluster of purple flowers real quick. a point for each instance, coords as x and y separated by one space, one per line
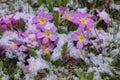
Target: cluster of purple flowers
10 23
84 22
46 34
40 31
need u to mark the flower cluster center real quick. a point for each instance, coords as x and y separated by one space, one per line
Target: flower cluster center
83 20
42 20
81 37
47 34
68 16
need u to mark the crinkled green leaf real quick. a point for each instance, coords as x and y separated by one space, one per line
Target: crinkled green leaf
64 48
56 18
1 64
64 2
32 52
38 47
79 73
49 4
47 57
57 63
90 76
61 31
0 30
59 2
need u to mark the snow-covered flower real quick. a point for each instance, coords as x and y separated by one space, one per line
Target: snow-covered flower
104 15
84 20
35 65
77 53
69 15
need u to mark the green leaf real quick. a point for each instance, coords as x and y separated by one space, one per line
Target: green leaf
1 64
38 47
22 26
47 57
90 76
49 4
64 48
39 2
32 52
0 30
64 2
57 63
117 2
79 73
59 2
61 31
56 18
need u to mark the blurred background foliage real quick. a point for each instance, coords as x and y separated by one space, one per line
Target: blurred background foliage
111 6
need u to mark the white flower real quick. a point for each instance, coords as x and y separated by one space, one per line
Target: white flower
83 10
76 53
35 65
104 15
63 38
56 53
90 1
49 25
56 9
5 77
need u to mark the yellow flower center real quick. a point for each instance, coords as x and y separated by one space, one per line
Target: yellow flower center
47 51
14 46
80 53
83 20
33 40
47 34
81 37
46 44
68 16
42 20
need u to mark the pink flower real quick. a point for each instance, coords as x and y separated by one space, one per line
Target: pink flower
42 19
30 40
80 37
47 48
62 10
48 34
84 20
69 15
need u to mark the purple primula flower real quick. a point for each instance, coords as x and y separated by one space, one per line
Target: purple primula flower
10 23
42 19
69 15
4 28
48 34
3 25
30 40
47 50
62 10
84 20
80 37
